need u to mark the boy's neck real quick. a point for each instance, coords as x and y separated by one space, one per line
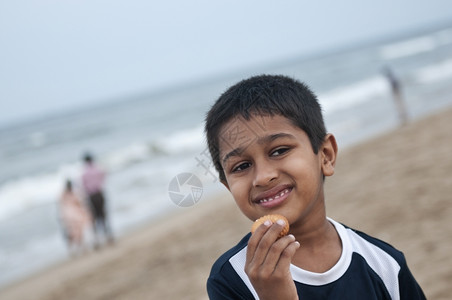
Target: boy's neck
321 246
313 231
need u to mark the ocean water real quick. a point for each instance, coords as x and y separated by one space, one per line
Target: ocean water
145 141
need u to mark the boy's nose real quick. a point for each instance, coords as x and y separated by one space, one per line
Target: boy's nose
264 174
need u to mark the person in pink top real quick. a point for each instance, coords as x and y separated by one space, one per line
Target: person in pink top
93 182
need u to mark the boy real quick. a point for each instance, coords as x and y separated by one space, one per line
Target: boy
268 141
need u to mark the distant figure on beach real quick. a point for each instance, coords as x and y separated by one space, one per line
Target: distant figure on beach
397 95
93 181
75 219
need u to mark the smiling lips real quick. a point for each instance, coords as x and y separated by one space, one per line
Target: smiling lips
273 198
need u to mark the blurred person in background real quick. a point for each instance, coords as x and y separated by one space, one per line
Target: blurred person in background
93 181
75 219
397 96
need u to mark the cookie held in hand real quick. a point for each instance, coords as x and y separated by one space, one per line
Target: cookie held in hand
272 218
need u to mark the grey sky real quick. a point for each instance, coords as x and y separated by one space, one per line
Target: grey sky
57 55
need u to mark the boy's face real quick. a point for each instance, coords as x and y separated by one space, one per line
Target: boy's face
270 167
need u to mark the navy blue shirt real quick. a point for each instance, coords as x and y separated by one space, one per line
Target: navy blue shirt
367 269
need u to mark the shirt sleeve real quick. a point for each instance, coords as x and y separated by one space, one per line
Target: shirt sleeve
409 288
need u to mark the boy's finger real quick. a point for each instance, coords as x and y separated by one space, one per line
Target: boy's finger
267 239
255 238
277 251
286 257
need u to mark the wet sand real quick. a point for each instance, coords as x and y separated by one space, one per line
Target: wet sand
396 186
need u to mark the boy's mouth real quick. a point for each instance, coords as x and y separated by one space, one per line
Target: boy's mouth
274 196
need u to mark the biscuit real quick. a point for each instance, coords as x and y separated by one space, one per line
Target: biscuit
273 218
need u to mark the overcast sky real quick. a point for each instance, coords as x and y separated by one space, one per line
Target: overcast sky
58 55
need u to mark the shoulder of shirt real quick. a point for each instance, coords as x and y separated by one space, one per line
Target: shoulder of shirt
224 258
386 247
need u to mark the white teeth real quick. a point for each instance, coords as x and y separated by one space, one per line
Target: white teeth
275 197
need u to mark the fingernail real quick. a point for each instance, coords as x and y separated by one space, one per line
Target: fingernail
292 237
281 222
267 223
297 243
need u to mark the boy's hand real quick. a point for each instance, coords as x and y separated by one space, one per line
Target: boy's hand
268 262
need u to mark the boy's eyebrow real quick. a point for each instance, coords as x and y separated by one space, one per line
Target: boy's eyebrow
235 152
261 140
272 137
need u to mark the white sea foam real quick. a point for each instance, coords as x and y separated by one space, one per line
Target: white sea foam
416 45
353 94
444 37
408 47
435 72
186 140
122 157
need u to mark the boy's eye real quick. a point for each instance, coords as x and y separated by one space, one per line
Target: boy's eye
279 151
241 167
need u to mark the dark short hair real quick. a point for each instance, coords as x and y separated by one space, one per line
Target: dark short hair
266 95
68 184
87 157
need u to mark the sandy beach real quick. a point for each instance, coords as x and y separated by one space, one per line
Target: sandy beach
396 186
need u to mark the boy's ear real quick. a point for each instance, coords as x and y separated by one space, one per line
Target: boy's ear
328 153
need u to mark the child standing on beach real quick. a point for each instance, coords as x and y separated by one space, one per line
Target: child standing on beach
268 141
75 219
